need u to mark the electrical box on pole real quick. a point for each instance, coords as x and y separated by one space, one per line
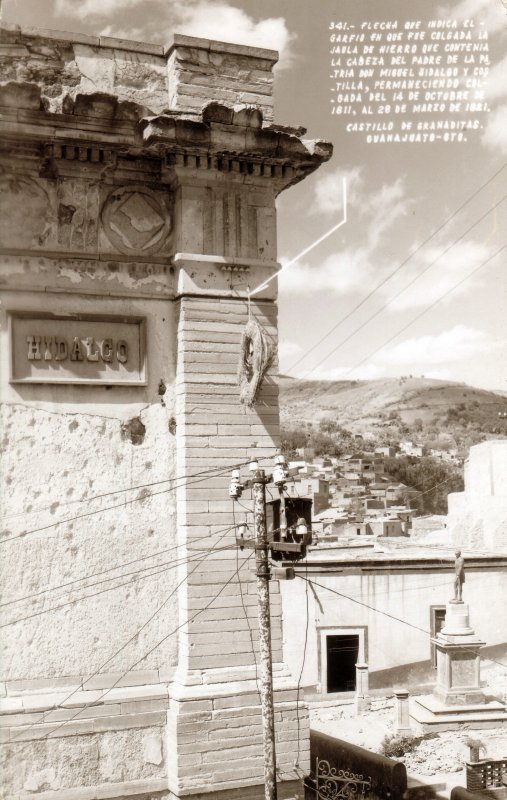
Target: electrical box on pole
288 536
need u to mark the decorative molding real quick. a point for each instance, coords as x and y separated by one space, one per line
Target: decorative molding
241 269
260 168
92 153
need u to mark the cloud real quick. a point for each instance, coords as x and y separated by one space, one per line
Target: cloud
386 206
495 133
429 355
490 15
210 19
381 208
288 350
223 22
490 12
329 194
447 271
496 84
338 273
84 9
455 344
354 267
137 34
366 372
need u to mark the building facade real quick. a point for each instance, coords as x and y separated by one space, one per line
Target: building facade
380 606
478 515
138 207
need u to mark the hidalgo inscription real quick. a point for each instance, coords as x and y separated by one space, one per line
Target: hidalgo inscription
77 349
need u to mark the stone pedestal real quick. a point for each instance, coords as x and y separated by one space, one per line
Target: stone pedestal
402 720
458 660
457 698
362 701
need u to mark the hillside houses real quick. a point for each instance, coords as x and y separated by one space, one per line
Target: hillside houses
410 449
353 496
378 597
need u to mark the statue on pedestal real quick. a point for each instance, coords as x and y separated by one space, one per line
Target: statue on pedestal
459 580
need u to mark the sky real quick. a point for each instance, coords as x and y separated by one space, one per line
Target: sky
442 314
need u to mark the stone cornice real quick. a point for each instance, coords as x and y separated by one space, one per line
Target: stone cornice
422 564
176 40
226 140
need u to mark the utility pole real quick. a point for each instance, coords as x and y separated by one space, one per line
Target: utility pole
291 544
266 682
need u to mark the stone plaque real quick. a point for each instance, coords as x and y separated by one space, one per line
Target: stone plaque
77 348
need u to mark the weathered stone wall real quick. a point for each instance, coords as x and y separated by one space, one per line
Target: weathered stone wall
133 761
478 516
201 72
65 65
187 74
88 506
141 655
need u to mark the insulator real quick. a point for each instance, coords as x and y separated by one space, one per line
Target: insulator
235 487
279 475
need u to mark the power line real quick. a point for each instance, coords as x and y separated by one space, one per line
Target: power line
397 269
206 473
245 612
432 305
418 316
40 509
120 650
307 625
407 286
385 613
215 473
167 566
110 569
132 666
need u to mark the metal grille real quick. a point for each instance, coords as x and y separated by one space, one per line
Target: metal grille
332 783
486 775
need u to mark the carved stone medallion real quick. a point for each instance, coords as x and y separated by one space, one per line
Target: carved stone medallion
136 220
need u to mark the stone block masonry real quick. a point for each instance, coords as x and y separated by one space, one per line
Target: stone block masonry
201 72
137 206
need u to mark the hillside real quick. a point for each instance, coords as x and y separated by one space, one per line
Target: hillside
421 408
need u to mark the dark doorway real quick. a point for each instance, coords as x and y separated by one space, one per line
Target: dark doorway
437 623
342 654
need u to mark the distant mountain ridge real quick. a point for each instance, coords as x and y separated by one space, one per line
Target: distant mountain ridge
370 404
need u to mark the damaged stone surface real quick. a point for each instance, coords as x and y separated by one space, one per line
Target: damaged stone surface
138 187
59 764
201 72
134 430
66 67
62 472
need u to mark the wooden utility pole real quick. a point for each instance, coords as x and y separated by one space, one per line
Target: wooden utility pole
266 666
